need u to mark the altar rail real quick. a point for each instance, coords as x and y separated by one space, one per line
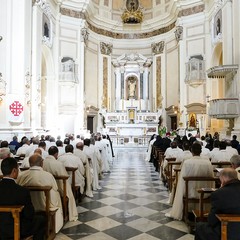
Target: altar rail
124 140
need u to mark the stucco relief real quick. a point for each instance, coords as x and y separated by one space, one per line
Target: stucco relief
106 48
158 48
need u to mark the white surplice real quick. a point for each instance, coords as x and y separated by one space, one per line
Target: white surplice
197 167
56 168
36 176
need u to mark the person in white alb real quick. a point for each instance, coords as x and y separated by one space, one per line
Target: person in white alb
22 150
70 160
222 155
56 168
195 166
90 152
36 176
88 167
103 151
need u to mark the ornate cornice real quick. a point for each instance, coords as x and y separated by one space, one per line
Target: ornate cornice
120 35
117 35
191 11
72 13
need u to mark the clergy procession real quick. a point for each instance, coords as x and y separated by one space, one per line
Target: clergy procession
71 170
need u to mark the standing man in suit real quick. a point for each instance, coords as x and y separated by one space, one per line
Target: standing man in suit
13 194
224 200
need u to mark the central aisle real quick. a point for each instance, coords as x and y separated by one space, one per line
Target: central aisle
131 205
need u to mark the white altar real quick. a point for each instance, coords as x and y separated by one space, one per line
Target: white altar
133 117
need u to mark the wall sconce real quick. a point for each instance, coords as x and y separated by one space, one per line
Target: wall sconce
208 98
2 86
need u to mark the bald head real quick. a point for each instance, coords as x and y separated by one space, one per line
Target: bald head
80 145
38 151
35 160
227 175
4 153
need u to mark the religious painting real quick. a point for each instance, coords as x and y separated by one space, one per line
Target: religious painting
192 120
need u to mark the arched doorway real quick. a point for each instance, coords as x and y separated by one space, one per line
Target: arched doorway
48 92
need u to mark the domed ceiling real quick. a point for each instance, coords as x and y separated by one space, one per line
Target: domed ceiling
156 14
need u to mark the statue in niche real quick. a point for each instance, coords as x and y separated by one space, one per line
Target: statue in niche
46 30
131 88
218 26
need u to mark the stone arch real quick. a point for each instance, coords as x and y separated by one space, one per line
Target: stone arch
47 88
217 85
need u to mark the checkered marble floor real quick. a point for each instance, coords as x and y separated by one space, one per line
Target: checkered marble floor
131 205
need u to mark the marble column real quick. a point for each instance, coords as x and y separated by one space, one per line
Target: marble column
146 88
118 89
36 65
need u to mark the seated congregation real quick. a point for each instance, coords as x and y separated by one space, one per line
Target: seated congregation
202 178
44 182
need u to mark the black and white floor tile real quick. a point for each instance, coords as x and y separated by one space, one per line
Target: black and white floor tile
131 205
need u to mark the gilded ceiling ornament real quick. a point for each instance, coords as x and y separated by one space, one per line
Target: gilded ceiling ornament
132 13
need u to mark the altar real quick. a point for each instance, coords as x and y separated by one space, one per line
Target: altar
133 116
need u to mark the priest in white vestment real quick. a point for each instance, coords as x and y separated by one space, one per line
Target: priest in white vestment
56 168
70 160
149 151
103 151
36 176
222 155
88 167
90 152
106 142
25 161
195 167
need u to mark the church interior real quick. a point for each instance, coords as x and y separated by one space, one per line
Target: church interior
74 66
128 69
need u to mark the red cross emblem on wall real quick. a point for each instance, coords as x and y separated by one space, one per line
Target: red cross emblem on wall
16 108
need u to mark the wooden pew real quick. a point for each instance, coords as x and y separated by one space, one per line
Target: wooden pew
225 219
15 210
24 169
186 199
160 159
199 214
169 171
221 164
64 197
50 215
75 189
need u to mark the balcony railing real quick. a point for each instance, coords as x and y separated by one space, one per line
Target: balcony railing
224 108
